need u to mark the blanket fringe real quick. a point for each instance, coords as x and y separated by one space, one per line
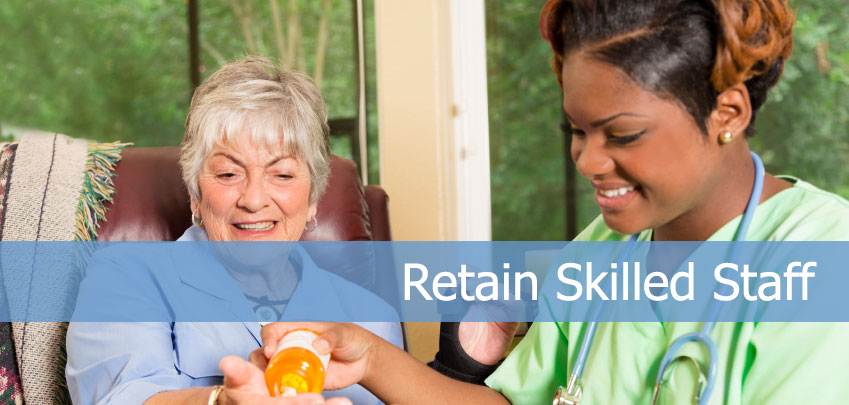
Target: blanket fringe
98 188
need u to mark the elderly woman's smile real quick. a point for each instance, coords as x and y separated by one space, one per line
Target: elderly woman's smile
252 192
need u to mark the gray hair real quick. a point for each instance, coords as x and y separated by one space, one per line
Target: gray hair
254 95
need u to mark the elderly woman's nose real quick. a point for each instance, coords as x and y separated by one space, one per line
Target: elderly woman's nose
254 195
591 158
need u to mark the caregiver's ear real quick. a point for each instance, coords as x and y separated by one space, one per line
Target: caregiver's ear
733 111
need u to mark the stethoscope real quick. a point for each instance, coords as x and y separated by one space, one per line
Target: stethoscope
571 394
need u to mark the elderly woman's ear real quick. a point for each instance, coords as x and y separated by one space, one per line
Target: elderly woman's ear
193 202
312 220
197 220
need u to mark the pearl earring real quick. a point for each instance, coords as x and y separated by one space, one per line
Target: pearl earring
726 137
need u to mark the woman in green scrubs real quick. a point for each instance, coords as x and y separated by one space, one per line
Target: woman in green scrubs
758 363
661 96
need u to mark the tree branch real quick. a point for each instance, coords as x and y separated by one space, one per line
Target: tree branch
256 34
214 53
219 59
321 46
244 25
278 30
292 34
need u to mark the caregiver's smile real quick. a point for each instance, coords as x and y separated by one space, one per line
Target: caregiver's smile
612 196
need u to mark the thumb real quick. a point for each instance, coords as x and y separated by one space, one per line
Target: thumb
329 340
237 372
345 341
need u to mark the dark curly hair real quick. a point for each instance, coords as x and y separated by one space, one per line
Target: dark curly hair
684 50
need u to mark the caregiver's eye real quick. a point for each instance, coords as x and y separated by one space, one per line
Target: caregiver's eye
624 139
568 128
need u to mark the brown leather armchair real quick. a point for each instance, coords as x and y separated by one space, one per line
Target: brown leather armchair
151 202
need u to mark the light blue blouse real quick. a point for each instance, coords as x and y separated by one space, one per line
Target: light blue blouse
128 362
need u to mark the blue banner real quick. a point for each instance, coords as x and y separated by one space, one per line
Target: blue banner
424 281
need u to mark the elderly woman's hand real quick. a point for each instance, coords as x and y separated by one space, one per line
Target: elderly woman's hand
244 383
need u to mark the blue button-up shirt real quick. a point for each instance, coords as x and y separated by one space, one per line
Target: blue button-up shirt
128 362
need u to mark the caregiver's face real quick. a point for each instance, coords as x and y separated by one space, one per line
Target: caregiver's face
645 157
250 192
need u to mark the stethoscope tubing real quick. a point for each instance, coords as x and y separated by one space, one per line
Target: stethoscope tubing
703 335
589 333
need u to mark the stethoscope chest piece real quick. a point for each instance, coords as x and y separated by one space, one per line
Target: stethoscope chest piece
570 395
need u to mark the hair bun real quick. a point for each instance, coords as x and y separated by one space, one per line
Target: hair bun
754 36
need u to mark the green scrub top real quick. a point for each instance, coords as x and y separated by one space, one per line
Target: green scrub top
758 363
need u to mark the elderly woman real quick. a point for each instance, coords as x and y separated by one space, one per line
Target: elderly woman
255 160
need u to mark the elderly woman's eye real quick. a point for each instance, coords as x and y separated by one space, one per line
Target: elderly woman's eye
284 176
227 177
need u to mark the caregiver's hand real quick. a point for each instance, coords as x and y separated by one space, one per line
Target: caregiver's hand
244 383
349 345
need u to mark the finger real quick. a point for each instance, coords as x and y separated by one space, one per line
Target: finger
237 372
301 399
339 401
257 358
273 332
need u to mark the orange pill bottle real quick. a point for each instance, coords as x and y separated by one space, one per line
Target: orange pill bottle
296 367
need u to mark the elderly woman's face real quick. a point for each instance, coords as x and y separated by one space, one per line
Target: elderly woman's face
645 157
250 192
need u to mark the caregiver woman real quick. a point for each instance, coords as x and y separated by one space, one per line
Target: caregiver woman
661 96
255 159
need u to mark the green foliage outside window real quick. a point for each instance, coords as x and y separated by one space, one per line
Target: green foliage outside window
103 70
803 130
118 70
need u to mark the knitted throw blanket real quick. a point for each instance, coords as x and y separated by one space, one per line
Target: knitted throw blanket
52 188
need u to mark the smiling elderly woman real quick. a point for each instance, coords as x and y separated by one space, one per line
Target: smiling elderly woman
255 160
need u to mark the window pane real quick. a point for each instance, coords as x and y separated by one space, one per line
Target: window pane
371 93
803 129
288 31
526 144
119 70
104 70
